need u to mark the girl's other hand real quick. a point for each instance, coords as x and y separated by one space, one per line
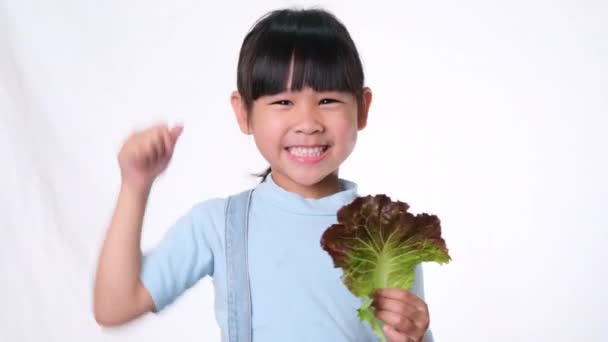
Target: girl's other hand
405 314
146 154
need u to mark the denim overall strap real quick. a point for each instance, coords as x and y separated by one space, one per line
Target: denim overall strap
237 267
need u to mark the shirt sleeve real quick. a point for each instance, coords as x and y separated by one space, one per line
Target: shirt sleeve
178 261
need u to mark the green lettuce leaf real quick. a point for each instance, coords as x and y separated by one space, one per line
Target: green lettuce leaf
378 244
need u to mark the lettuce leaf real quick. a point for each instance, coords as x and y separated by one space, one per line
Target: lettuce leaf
378 244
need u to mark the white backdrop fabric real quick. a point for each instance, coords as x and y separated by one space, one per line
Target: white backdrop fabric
492 115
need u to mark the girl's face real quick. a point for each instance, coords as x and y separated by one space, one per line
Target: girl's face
305 135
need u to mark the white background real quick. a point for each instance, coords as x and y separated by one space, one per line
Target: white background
492 115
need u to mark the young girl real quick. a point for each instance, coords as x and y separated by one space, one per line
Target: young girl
301 95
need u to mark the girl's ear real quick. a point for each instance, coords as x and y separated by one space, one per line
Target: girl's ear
364 110
238 106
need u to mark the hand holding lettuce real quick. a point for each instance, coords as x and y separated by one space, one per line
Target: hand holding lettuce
378 243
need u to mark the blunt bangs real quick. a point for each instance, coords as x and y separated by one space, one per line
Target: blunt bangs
311 46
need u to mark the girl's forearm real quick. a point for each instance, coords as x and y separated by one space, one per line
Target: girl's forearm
117 279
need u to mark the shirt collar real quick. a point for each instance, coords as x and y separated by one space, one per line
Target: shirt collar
296 203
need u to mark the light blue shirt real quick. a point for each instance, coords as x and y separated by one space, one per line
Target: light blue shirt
296 293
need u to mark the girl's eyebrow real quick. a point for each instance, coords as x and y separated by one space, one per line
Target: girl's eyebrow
337 92
281 94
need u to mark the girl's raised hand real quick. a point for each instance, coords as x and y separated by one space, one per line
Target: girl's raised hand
146 154
405 315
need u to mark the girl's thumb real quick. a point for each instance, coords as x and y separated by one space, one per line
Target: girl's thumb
176 131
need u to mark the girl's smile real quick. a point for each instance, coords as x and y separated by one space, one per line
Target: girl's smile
308 154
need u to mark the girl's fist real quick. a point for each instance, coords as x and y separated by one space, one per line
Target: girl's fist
405 314
146 154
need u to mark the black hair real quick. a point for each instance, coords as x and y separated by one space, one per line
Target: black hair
312 42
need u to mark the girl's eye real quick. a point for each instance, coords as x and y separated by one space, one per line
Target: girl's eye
282 102
328 101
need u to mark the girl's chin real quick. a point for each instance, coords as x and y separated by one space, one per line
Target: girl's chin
308 177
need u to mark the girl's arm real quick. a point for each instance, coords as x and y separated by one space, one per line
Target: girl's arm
119 295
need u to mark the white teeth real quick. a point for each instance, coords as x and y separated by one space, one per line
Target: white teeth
306 151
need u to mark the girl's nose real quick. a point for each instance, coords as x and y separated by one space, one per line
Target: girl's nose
310 129
309 123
